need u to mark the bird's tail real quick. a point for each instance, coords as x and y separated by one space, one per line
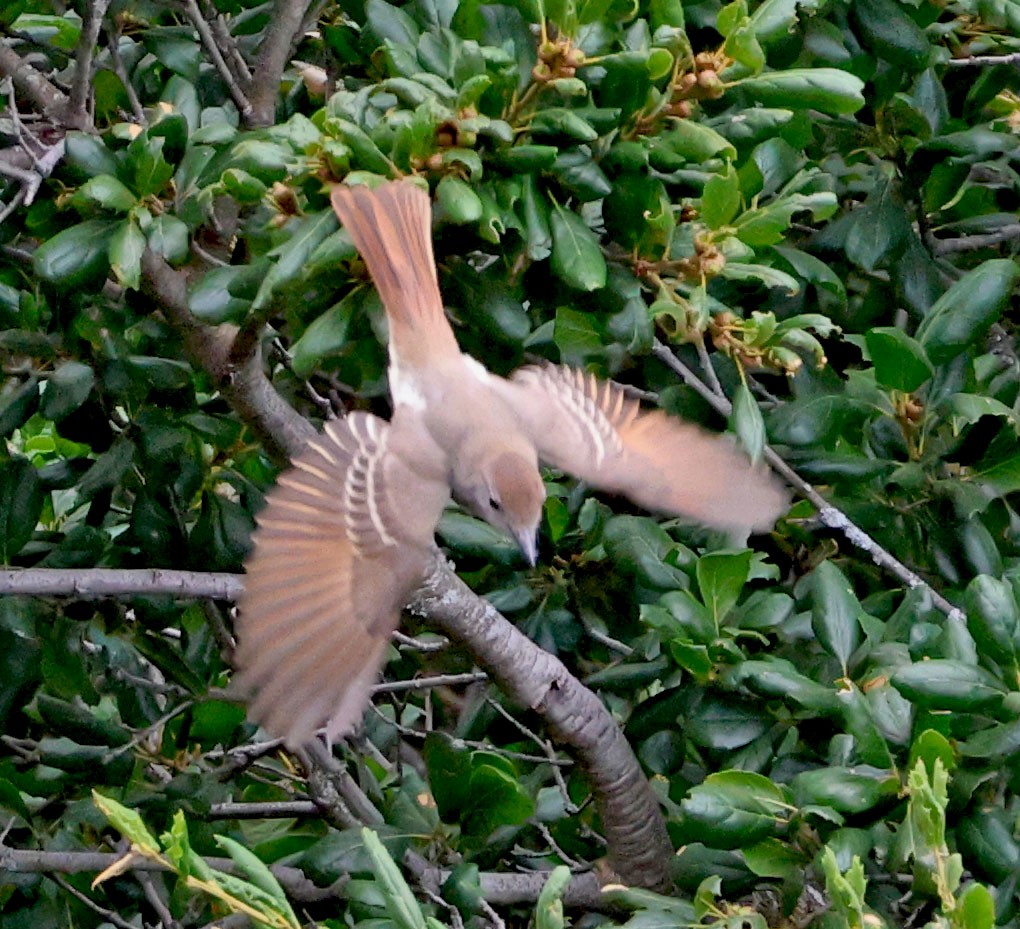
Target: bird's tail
391 226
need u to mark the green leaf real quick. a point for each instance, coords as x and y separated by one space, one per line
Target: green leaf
549 909
576 256
127 822
306 234
846 790
835 613
826 89
390 22
21 502
720 199
327 334
900 362
76 254
947 684
169 237
746 421
88 153
255 870
458 201
967 409
887 28
721 578
962 315
106 191
126 249
732 809
67 388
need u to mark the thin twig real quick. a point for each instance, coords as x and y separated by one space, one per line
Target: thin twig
81 86
429 683
420 645
222 68
113 45
154 895
983 61
828 514
226 41
275 809
142 735
546 746
109 915
969 243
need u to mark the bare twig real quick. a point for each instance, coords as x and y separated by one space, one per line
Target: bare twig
121 71
968 243
205 34
984 61
226 42
155 896
277 809
81 86
429 683
107 914
828 514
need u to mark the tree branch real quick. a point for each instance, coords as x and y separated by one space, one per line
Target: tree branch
30 861
969 243
95 583
983 61
212 49
77 107
639 847
281 37
53 102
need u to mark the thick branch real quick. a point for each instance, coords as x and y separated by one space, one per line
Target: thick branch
119 582
639 847
281 37
53 102
498 889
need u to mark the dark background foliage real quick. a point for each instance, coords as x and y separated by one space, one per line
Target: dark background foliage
807 208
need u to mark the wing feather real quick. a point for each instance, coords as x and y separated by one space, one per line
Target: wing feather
593 430
342 541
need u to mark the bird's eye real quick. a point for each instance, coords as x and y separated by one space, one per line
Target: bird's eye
494 503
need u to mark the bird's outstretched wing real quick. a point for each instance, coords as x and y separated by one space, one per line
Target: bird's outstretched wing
341 543
593 430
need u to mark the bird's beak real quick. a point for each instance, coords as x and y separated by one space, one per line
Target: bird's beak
528 541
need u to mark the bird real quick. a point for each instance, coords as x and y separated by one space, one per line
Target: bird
345 536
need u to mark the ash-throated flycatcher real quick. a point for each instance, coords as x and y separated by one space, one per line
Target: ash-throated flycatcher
345 534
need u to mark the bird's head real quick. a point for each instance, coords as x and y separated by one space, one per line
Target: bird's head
509 495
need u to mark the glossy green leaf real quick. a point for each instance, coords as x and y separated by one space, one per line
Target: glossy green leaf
67 388
76 254
127 245
576 255
947 684
835 613
21 502
826 89
962 315
900 362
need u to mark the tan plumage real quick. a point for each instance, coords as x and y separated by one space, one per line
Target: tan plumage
345 534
